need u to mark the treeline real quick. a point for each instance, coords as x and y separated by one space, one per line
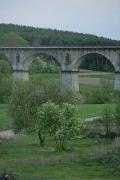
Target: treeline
16 35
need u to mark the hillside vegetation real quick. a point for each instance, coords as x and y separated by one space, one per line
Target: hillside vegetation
16 35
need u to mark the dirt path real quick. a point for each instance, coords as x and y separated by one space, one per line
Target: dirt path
90 81
7 134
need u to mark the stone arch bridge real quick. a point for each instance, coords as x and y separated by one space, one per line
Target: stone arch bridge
69 59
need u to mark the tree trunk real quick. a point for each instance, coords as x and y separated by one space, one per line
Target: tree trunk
41 138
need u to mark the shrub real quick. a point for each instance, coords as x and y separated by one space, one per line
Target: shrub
103 94
48 120
69 126
8 176
28 96
107 120
61 122
109 154
5 89
117 116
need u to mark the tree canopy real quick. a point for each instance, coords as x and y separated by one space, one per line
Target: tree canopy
14 35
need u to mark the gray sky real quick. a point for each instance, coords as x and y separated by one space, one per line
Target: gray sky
100 17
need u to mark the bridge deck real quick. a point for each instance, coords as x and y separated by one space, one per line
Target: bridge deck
63 47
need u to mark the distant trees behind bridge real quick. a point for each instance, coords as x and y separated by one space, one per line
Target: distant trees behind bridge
15 35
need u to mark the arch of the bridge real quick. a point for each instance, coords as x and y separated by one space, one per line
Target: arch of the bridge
81 58
30 58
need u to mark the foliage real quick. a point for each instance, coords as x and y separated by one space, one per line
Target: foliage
109 154
117 116
107 119
94 97
48 120
12 39
100 95
5 81
63 123
5 67
97 62
5 89
69 126
8 176
107 90
26 157
40 36
24 103
28 96
42 64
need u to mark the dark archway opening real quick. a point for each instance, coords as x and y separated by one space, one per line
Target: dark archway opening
96 62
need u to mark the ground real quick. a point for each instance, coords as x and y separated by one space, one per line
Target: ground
23 155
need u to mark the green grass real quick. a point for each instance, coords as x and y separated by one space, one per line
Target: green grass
107 76
88 88
16 156
45 76
56 76
91 110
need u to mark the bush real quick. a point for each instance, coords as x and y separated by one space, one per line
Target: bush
5 89
43 64
117 116
109 154
103 94
8 176
5 80
61 122
28 96
107 120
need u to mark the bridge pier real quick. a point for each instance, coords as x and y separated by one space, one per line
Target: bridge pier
117 81
69 80
20 75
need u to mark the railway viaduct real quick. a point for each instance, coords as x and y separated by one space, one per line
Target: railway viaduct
69 59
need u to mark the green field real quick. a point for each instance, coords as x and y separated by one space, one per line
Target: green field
23 156
107 76
45 76
56 76
91 110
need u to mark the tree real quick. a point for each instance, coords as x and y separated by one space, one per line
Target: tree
70 125
43 64
107 90
13 39
107 119
25 100
49 37
61 122
5 80
117 116
5 67
48 120
28 96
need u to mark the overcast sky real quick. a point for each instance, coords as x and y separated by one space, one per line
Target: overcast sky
100 17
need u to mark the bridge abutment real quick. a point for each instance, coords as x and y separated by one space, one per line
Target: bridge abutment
69 80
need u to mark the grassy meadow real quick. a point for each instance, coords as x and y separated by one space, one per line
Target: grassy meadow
24 156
